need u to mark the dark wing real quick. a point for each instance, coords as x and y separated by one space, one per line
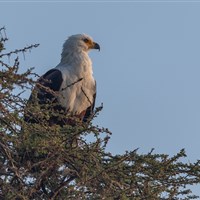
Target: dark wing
50 80
90 109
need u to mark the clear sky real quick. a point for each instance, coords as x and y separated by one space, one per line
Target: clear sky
147 72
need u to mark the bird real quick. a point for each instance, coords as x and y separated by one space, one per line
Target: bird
70 87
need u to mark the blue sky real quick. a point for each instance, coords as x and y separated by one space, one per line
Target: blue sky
147 72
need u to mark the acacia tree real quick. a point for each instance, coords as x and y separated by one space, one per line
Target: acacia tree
38 161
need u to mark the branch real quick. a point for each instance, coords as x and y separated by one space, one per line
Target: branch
19 50
63 184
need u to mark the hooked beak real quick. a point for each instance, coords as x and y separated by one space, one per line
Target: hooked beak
96 46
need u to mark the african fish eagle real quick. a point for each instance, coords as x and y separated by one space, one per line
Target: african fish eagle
72 80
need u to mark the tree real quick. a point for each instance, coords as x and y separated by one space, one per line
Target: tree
38 161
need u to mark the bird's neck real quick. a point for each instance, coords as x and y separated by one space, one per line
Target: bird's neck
80 62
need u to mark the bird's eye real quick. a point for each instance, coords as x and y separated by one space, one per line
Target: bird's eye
86 40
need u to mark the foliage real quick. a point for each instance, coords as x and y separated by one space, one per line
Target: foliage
39 161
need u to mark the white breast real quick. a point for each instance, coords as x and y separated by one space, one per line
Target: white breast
78 87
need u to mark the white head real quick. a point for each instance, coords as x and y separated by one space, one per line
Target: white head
79 42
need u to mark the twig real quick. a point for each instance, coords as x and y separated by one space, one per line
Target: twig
86 96
19 50
80 79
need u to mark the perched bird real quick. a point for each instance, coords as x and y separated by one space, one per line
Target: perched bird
72 81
